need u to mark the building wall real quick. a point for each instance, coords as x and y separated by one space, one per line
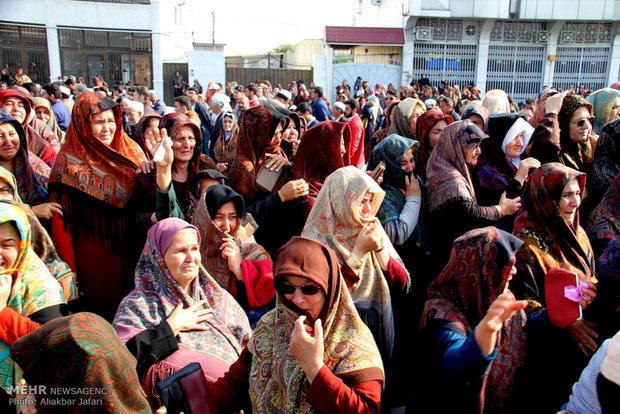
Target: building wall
207 66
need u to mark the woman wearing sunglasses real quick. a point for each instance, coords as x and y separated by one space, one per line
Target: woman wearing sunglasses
312 352
565 133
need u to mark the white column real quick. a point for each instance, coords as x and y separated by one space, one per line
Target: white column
406 65
158 66
614 61
329 71
483 55
552 50
53 44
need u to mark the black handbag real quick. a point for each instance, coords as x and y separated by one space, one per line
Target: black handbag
185 391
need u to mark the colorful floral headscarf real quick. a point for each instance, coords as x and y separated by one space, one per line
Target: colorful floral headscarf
33 288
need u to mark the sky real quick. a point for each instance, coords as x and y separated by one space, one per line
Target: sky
257 26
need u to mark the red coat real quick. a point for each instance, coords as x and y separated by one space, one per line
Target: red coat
356 147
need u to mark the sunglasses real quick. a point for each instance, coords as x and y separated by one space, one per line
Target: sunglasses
288 289
582 122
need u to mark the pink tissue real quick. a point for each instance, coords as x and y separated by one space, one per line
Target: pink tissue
574 293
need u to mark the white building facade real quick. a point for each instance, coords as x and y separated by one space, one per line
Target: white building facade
117 39
515 45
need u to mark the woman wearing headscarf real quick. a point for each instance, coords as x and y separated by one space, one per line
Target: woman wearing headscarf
405 117
177 313
225 144
99 361
496 100
312 353
29 295
42 243
229 253
473 328
18 103
428 129
44 113
148 122
94 179
30 171
476 113
343 218
382 133
548 223
606 164
606 103
453 203
565 133
500 167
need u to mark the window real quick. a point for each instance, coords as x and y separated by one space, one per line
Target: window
25 46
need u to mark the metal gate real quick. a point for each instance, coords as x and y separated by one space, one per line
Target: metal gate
581 66
455 63
374 69
518 70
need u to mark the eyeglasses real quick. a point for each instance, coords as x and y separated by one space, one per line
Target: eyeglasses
582 122
390 98
288 289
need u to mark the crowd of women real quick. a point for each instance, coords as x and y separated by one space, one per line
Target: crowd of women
476 271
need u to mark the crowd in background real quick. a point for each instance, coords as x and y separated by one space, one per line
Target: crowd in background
427 246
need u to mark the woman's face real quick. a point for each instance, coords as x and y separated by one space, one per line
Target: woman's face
227 124
9 141
417 111
515 147
477 120
277 135
9 245
343 149
309 304
472 153
183 144
182 258
580 133
43 114
407 163
6 190
226 218
291 133
570 201
151 124
364 209
15 107
615 110
434 133
103 126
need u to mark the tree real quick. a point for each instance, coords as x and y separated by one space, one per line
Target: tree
284 49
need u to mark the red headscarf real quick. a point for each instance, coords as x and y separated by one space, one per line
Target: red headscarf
425 124
88 165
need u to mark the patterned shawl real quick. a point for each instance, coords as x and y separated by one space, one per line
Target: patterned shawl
334 222
391 151
256 139
604 222
576 155
106 173
606 157
476 274
52 124
82 351
212 236
496 100
549 242
33 286
447 173
425 124
31 173
400 124
277 381
154 298
603 101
